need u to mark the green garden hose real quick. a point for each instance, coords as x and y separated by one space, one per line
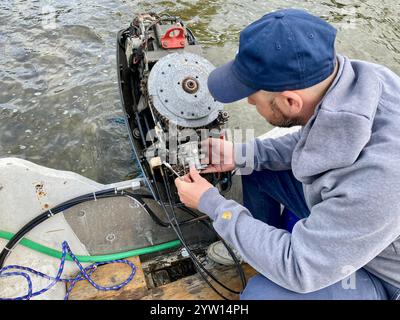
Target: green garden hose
91 259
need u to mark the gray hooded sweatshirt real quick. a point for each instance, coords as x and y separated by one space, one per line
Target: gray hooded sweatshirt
348 160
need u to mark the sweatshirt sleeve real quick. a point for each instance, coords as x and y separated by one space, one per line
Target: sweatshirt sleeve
272 154
342 234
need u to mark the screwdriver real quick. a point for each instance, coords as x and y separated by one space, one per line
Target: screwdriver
172 169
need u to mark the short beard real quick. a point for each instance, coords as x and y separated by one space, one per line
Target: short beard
283 122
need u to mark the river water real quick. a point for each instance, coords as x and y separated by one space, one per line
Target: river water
59 101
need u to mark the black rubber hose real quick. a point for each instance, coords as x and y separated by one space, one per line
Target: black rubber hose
110 193
194 259
200 268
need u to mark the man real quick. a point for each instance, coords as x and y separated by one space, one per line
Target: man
340 174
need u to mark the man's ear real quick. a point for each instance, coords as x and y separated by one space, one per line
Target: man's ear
293 102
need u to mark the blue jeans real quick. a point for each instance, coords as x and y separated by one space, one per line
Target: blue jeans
263 194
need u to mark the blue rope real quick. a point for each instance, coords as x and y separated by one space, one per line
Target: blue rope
84 274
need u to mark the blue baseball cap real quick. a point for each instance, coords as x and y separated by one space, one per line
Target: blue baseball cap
285 50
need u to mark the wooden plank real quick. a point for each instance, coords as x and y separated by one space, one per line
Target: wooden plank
109 275
189 288
195 288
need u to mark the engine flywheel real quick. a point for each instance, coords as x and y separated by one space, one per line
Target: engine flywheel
178 87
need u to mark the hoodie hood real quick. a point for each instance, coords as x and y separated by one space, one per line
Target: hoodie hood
341 126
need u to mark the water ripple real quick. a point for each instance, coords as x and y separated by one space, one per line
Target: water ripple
58 87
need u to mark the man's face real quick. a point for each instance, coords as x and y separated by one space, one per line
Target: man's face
271 107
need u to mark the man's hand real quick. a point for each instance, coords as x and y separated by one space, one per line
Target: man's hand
219 154
191 188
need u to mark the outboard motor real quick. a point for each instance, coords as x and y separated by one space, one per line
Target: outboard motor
168 108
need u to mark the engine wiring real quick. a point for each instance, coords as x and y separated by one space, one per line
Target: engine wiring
172 218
